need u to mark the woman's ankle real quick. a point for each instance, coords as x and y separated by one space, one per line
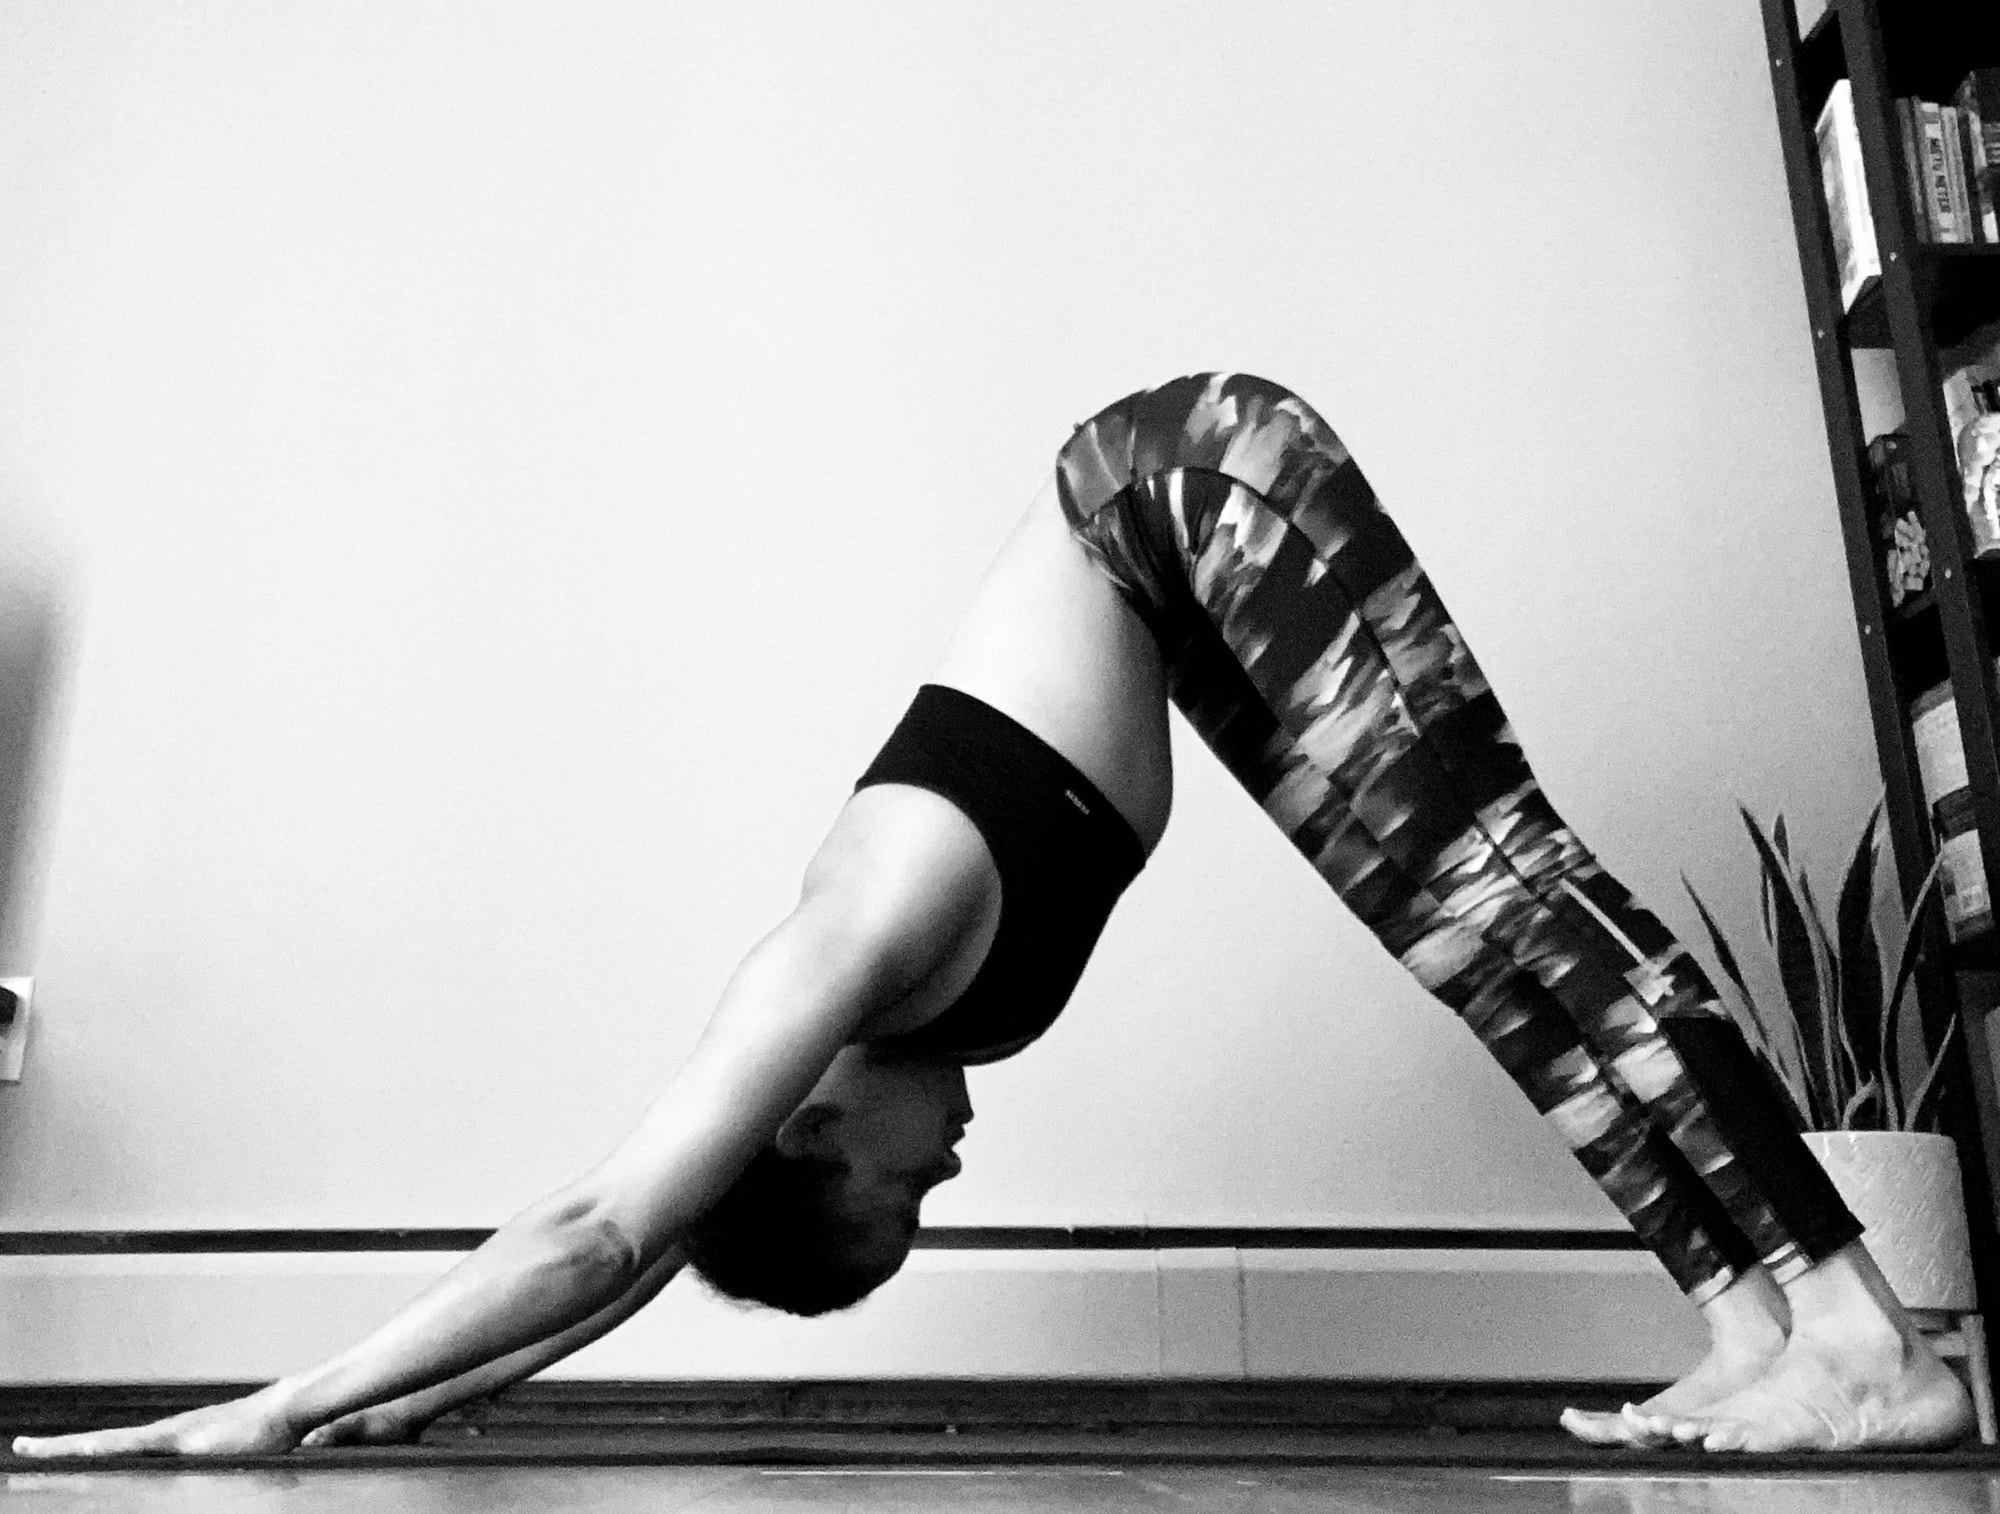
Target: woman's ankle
1750 1317
1844 1301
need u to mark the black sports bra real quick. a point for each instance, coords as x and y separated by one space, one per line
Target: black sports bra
1064 854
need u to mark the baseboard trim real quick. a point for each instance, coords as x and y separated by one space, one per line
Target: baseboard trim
1221 1313
217 1242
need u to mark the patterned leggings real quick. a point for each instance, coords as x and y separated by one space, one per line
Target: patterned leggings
1307 647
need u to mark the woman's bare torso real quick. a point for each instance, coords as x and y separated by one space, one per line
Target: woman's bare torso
1047 641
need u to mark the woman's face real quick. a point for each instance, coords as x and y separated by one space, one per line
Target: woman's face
897 1122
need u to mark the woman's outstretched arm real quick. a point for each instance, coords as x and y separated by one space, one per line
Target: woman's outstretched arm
884 907
562 1260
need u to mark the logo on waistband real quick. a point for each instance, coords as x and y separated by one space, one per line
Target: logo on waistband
1074 798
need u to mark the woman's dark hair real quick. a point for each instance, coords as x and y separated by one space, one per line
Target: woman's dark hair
780 1237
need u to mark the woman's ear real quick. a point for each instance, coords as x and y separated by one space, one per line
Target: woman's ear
808 1132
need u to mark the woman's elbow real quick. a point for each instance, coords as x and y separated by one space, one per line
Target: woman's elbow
596 1255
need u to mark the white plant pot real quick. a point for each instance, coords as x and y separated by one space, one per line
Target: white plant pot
1906 1189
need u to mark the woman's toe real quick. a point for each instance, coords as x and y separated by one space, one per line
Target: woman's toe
1594 1427
1653 1429
1726 1437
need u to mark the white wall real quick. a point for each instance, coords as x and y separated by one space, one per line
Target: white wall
518 461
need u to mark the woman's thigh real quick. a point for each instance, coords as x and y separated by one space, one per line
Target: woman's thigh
1048 640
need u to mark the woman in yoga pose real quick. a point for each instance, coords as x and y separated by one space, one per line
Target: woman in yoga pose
1209 542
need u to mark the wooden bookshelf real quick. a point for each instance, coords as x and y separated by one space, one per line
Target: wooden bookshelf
1927 298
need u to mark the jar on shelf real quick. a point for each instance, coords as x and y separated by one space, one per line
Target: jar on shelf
1972 413
1892 512
1968 904
1941 770
1940 750
1979 469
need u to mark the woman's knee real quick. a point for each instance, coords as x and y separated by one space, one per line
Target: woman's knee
1237 424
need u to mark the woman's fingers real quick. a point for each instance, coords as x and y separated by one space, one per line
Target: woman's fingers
366 1427
138 1440
348 1430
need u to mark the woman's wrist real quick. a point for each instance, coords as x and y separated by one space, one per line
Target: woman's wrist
283 1404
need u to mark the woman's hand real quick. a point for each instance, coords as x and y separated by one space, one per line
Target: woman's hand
384 1425
250 1426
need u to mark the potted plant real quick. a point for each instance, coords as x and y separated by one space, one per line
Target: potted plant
1833 1043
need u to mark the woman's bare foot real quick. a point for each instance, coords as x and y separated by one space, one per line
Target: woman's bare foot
1856 1375
1747 1327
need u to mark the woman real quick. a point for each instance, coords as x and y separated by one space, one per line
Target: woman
1211 542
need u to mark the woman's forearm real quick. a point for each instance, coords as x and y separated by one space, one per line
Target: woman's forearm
544 1273
418 1409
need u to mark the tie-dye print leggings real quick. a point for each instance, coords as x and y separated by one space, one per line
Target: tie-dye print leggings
1307 647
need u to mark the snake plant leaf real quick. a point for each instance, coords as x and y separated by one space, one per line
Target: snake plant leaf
1852 1109
1764 910
1892 1009
1840 1056
1928 1090
1764 906
1861 957
1718 943
1762 1037
1799 974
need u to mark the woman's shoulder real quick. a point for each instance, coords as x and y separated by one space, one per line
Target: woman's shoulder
910 870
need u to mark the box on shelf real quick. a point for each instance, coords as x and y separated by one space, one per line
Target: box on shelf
1978 102
1846 194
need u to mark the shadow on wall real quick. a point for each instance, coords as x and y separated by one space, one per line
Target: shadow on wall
33 605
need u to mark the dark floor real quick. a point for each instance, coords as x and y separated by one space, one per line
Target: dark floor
1037 1448
1246 1489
